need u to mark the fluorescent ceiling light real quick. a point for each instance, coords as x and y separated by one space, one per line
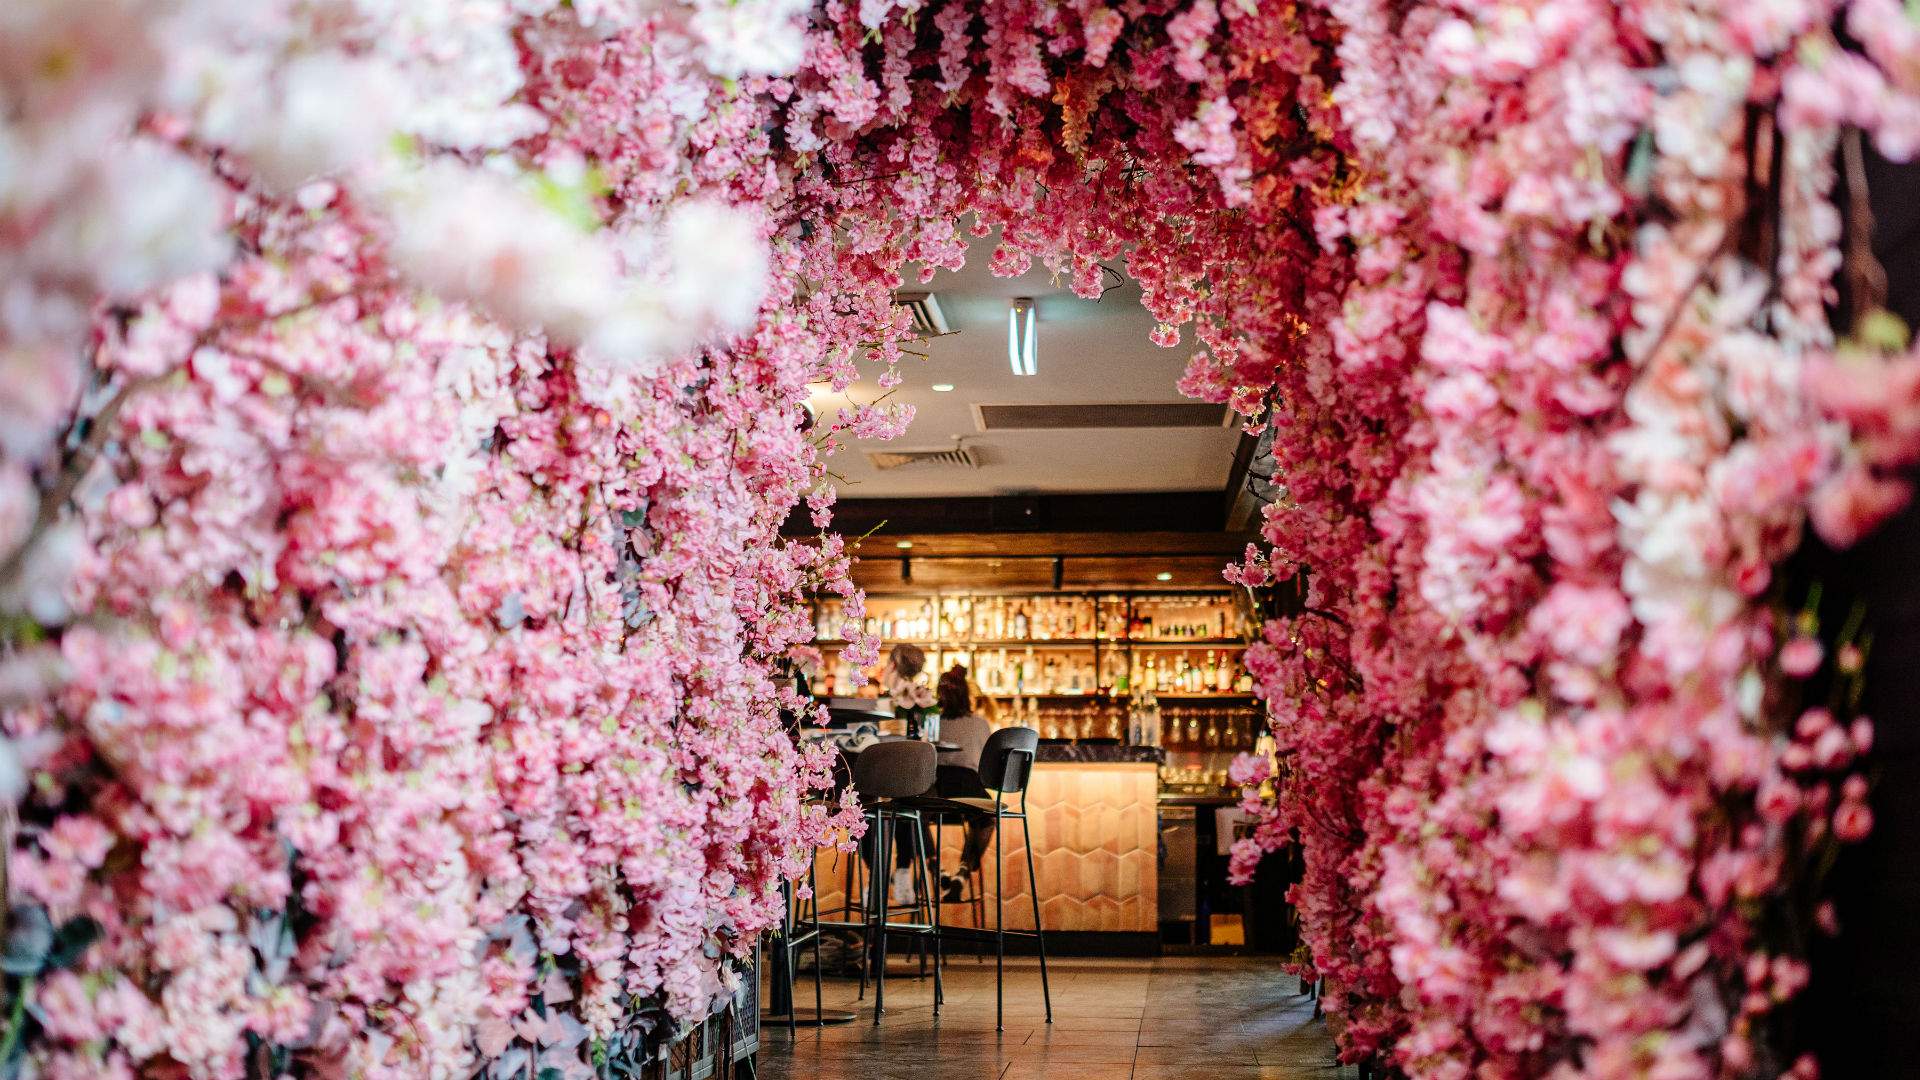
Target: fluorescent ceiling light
903 544
1163 576
943 388
1022 338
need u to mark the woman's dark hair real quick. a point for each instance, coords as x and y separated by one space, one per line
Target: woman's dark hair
955 698
907 660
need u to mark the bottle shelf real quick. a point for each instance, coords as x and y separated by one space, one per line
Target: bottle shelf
1042 643
1118 699
1091 640
1171 696
1057 695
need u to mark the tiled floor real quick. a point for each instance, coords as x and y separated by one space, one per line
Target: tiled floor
1175 1018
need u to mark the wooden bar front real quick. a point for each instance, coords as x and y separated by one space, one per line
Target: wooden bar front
1095 841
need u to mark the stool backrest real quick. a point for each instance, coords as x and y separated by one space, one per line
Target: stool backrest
898 769
1007 759
969 733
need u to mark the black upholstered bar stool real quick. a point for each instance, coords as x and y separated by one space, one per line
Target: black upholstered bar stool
1006 765
887 776
798 931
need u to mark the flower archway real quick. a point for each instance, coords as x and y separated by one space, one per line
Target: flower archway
402 403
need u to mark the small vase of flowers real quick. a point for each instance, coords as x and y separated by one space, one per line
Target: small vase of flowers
912 699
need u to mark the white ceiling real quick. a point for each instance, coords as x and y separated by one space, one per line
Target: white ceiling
1089 352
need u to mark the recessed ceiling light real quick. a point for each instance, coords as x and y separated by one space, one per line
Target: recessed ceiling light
904 544
1163 576
943 388
1022 350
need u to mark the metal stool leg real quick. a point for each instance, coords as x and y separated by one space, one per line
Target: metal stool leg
999 929
813 884
939 948
1033 891
920 898
930 907
786 953
883 851
866 904
979 908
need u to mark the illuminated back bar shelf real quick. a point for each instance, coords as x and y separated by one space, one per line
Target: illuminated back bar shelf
1058 644
1114 667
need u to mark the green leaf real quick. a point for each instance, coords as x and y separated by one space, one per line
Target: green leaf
72 940
573 201
1882 329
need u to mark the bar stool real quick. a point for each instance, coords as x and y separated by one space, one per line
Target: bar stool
1006 764
887 776
793 938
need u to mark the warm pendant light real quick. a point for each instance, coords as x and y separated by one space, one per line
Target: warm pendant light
1022 338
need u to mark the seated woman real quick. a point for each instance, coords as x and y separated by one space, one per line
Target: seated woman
959 774
905 662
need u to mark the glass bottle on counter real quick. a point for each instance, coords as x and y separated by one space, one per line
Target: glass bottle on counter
1143 718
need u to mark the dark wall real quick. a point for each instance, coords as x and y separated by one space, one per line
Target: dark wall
1862 1012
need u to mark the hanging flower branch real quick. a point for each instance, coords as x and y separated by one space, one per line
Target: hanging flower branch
398 411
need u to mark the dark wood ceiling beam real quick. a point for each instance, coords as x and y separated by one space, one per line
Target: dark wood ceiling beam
1178 511
1048 545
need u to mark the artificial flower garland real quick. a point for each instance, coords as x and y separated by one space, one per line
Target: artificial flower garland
399 699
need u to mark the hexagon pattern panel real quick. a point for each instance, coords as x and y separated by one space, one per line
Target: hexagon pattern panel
1095 843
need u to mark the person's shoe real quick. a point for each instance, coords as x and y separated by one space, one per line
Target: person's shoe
952 889
901 888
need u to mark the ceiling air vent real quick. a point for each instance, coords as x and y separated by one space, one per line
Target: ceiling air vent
964 457
1171 414
928 322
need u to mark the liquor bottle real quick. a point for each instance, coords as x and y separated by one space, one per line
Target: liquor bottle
1209 673
1020 622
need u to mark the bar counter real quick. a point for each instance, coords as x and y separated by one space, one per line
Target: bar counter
1095 830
